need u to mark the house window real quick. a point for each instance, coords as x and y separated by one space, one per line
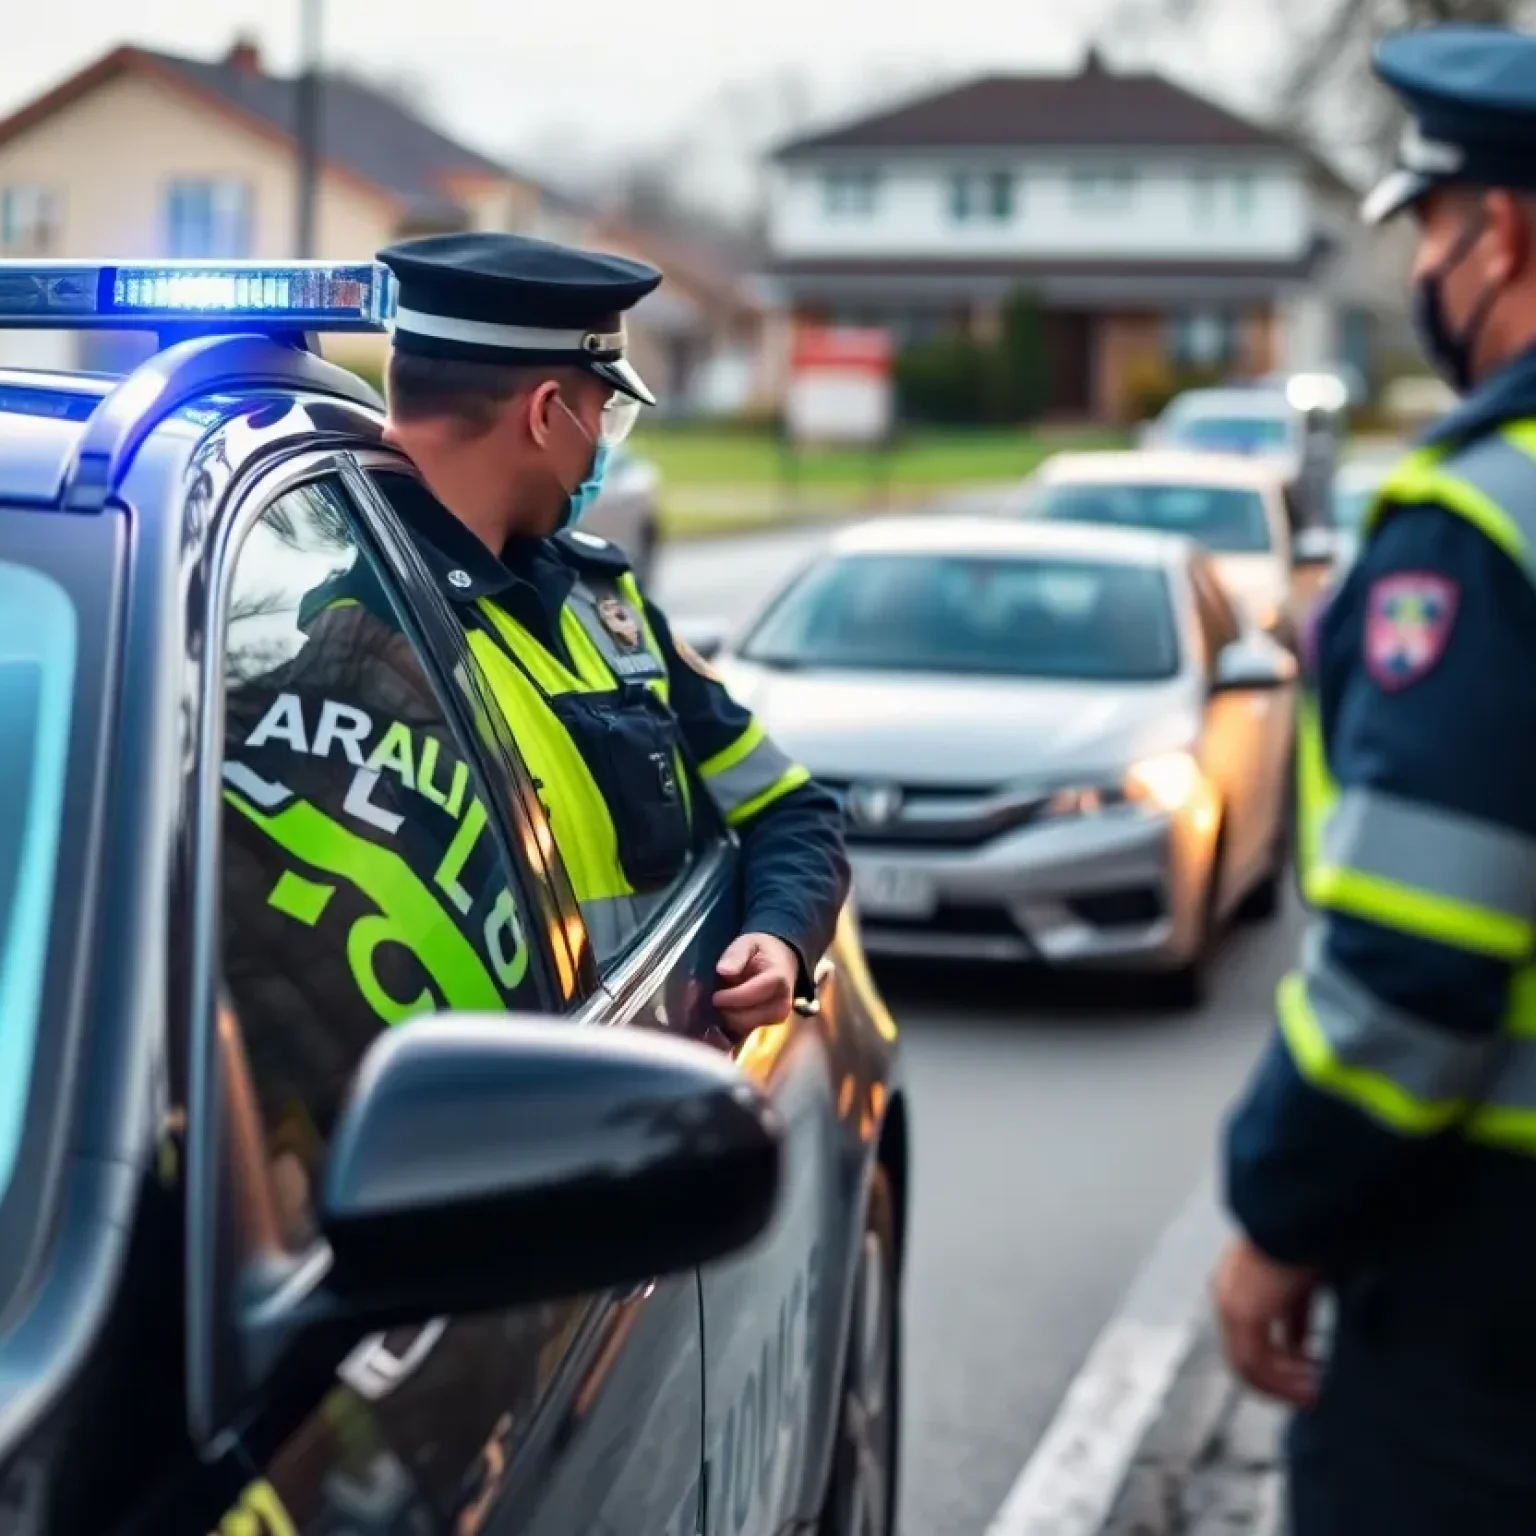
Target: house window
850 194
982 197
1224 197
209 218
1243 196
1203 339
29 221
1104 190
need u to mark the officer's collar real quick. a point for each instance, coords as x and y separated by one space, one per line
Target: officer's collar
1505 395
462 566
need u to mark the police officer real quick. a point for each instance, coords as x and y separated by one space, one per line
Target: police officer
508 389
1386 1147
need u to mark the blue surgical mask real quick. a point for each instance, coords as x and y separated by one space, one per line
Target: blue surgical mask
581 499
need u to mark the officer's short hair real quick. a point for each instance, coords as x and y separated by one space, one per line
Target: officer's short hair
468 393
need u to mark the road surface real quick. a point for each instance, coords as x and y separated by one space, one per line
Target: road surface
1058 1128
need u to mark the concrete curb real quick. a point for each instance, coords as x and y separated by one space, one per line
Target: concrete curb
1211 1464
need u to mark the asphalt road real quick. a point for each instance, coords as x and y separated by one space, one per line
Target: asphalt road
1058 1128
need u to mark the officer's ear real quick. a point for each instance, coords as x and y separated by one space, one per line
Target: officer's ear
1510 222
543 407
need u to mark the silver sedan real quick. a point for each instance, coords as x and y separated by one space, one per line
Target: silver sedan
1053 742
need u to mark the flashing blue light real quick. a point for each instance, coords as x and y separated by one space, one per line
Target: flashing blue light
82 296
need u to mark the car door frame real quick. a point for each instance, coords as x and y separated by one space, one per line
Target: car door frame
502 780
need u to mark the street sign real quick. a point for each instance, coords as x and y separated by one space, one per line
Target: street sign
841 386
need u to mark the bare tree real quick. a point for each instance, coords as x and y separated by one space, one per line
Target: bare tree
1321 77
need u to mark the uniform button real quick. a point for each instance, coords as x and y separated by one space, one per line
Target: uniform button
459 579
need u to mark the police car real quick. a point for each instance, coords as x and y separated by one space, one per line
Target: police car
575 1263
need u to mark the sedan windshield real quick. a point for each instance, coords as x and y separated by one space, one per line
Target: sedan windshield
1229 434
1083 620
1227 520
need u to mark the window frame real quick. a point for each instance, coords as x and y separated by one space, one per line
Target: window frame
306 467
39 235
983 196
179 187
850 192
1103 189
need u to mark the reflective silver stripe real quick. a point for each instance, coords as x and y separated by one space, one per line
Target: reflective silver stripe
1506 476
1436 851
1431 1064
755 774
527 338
612 922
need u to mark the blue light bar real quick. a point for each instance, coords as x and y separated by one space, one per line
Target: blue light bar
200 295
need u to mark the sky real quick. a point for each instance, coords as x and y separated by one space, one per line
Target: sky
570 90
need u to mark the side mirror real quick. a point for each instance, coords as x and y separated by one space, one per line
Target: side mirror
706 636
1251 663
489 1162
1314 547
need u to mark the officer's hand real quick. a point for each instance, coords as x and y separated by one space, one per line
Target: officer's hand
759 974
1264 1309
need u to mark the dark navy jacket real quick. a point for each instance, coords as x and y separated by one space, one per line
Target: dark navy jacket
1430 1240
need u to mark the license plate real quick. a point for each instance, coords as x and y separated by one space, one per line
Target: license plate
888 890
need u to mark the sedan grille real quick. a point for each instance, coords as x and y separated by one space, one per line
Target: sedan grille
929 816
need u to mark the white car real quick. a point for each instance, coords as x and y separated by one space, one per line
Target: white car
1052 742
1236 507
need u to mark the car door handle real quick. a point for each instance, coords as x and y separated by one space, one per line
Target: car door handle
809 1007
373 1370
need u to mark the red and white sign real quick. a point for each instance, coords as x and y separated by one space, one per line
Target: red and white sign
841 386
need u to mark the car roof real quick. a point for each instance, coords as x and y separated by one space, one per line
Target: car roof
1154 466
1009 537
42 418
1232 402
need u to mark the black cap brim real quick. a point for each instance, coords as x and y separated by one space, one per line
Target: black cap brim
621 375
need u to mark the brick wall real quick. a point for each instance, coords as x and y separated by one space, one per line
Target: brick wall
1125 344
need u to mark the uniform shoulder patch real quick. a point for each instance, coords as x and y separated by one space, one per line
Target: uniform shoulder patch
1408 622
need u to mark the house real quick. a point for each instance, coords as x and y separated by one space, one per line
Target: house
151 155
1156 230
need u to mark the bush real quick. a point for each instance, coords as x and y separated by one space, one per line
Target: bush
1154 382
948 381
1023 367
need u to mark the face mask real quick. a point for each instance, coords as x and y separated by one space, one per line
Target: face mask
1449 352
580 500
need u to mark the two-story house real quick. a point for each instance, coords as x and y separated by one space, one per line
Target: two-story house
150 155
1153 227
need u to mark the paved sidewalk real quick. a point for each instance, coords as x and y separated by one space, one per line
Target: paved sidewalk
1210 1464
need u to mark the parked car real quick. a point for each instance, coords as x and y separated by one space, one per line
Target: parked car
1236 507
1302 447
1053 742
452 1226
627 511
1355 491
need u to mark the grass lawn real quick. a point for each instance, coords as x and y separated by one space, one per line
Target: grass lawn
694 456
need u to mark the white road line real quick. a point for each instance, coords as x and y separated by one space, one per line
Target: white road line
1069 1484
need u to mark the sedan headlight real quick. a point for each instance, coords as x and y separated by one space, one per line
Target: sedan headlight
1170 781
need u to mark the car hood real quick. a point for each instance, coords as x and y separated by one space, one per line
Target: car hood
1259 582
962 732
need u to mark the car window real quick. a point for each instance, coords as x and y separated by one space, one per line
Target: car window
362 881
993 616
38 645
1219 623
1230 434
1227 519
617 922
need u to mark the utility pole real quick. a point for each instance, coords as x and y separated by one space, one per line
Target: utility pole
307 126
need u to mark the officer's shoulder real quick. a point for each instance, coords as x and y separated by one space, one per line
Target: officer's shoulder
1429 535
586 551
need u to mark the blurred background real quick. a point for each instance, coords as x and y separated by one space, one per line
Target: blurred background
1094 264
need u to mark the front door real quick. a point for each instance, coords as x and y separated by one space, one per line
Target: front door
368 874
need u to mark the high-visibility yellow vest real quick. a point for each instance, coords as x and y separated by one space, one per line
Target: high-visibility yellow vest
1423 870
744 778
